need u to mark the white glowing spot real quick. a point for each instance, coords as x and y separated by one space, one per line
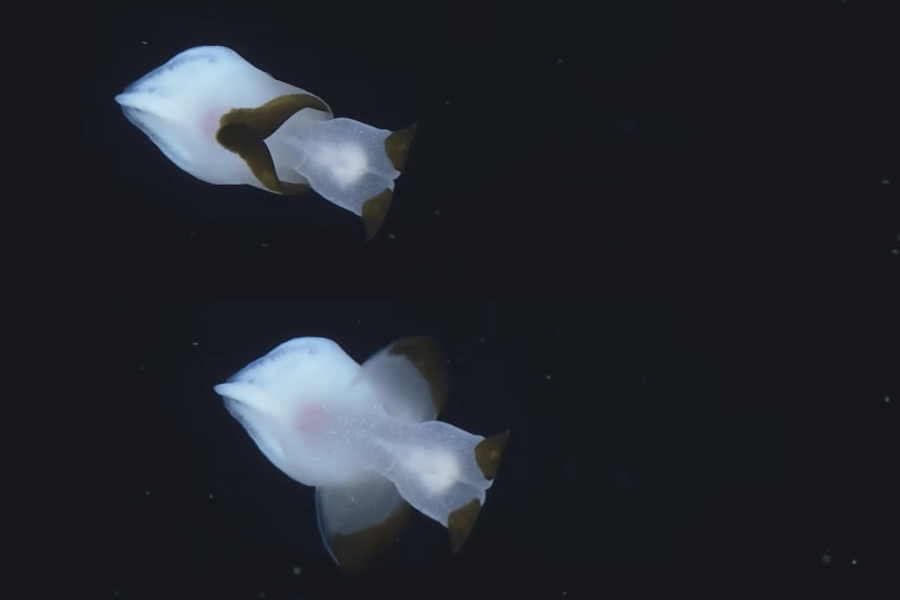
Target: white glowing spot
347 162
438 470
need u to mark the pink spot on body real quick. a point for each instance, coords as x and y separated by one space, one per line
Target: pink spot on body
210 123
312 421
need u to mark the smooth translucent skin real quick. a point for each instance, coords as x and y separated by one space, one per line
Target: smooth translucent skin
179 106
365 436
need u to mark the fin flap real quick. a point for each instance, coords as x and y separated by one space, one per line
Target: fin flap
460 524
428 358
461 521
242 131
360 521
397 146
488 453
354 552
374 210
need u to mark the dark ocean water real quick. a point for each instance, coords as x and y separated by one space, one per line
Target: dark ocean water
657 241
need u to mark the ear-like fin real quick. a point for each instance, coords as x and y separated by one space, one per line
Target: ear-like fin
460 524
397 145
374 210
462 520
409 380
266 119
242 131
427 357
488 452
360 521
354 552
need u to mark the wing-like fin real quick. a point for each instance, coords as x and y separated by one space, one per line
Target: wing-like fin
361 521
243 131
460 524
488 453
408 378
397 145
461 521
374 210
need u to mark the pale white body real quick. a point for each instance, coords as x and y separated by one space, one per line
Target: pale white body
363 435
179 105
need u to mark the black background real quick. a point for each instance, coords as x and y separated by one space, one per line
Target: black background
658 242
